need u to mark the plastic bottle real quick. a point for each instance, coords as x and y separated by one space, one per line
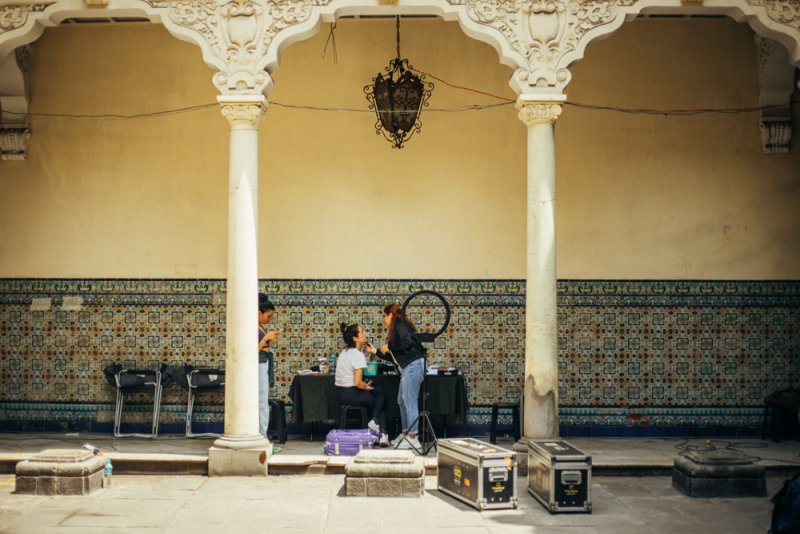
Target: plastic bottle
107 471
332 364
322 365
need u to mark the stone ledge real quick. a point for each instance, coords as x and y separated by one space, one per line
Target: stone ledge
715 476
393 473
60 472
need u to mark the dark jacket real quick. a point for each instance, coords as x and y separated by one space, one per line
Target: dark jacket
404 345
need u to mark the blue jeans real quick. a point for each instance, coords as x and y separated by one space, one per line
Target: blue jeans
408 396
263 398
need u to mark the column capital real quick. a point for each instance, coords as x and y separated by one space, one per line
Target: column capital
243 110
538 109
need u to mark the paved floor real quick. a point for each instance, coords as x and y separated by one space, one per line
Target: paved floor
314 504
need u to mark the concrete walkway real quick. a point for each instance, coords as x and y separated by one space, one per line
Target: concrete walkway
292 504
314 504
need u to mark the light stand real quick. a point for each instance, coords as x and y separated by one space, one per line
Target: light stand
423 420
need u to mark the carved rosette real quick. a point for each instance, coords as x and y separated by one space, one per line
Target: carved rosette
781 11
247 113
15 16
538 112
238 33
543 31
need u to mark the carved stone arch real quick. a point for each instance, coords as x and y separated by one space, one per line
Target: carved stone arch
598 19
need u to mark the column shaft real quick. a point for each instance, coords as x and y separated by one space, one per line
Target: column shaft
541 329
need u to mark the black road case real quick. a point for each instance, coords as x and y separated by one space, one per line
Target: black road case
478 473
559 476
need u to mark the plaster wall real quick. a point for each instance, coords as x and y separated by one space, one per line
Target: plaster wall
639 196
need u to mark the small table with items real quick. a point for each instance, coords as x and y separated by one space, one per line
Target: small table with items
314 399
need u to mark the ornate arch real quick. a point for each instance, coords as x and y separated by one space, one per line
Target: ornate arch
243 39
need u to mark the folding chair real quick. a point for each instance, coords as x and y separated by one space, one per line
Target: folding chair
198 381
131 381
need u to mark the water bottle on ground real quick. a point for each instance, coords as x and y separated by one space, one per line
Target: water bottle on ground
107 471
90 447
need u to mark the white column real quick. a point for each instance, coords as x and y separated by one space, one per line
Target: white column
244 113
539 113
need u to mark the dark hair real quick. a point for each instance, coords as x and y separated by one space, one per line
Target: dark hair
396 311
349 333
264 304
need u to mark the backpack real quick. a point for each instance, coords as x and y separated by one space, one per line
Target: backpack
786 514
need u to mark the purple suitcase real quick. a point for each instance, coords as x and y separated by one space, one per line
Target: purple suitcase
349 442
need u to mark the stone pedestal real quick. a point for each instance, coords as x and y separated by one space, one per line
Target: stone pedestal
385 473
718 474
60 472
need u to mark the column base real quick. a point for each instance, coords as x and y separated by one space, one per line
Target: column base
243 456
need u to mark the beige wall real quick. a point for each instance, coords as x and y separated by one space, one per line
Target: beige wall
638 196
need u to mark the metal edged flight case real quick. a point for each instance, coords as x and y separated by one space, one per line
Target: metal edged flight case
480 474
559 476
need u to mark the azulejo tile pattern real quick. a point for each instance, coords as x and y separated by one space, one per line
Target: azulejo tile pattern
631 353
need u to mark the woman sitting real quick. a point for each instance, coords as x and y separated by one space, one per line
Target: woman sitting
351 388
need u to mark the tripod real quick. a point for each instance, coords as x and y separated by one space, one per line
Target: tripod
423 420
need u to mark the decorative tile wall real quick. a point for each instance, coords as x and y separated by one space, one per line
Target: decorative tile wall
632 354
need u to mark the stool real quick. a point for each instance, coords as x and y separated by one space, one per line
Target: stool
515 421
277 413
346 408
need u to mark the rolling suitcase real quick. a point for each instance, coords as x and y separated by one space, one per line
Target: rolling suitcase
349 442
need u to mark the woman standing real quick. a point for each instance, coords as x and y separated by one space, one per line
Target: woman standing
266 361
351 388
410 355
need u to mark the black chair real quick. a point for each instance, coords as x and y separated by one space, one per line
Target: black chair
201 381
782 415
515 417
345 409
277 414
132 381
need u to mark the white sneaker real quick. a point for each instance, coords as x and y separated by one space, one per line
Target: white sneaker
383 441
410 443
375 427
396 440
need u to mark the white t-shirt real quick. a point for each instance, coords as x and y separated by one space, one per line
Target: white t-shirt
349 360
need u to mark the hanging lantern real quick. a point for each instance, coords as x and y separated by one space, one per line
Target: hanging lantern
398 97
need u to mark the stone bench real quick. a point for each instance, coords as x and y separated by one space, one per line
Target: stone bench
718 474
385 473
60 472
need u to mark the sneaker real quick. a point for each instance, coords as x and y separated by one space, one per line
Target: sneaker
410 443
375 427
383 441
396 440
